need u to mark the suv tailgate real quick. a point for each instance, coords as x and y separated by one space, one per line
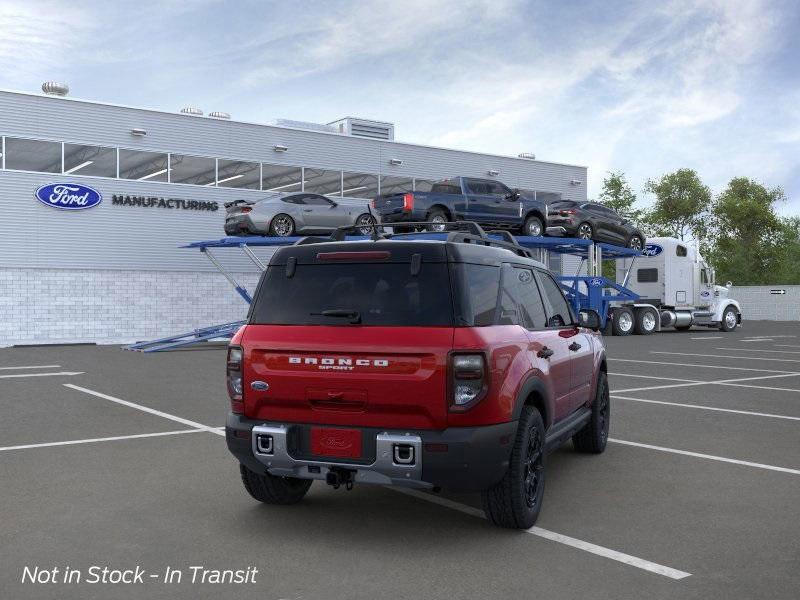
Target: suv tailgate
384 377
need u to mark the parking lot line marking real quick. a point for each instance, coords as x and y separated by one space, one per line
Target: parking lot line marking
733 382
18 375
653 377
728 410
707 456
759 350
757 340
708 337
103 439
31 367
787 346
658 362
146 409
627 559
749 358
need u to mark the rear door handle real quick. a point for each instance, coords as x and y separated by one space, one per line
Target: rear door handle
574 346
545 352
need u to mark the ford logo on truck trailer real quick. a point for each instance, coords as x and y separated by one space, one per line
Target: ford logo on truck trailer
652 250
68 196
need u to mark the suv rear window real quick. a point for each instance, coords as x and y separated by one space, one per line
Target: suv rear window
383 294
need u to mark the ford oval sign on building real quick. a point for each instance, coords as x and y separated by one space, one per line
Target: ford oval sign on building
68 196
652 250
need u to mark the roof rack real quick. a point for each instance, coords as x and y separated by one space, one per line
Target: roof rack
466 232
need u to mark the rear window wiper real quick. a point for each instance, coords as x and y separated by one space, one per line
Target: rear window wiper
342 313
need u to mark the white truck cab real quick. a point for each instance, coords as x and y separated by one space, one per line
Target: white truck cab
676 289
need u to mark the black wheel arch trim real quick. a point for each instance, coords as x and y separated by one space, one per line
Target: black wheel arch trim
534 384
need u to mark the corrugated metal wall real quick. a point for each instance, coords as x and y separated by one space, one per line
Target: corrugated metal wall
766 302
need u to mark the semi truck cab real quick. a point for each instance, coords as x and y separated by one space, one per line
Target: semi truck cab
673 278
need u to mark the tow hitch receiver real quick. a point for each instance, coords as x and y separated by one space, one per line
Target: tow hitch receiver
338 477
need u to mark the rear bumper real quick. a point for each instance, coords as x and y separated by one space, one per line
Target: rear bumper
243 224
399 216
458 458
570 225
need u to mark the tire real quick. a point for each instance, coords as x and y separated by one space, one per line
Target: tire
365 219
645 321
282 225
274 490
438 216
584 231
729 320
593 438
635 242
533 227
516 500
623 321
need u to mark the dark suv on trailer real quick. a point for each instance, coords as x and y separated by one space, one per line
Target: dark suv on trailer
593 221
435 363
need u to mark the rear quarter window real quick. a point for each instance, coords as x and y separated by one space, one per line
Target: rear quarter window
477 292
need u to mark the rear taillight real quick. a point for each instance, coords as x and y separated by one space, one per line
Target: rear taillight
408 201
234 376
570 211
247 209
469 380
372 203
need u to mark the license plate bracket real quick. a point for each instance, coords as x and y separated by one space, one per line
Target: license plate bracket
336 442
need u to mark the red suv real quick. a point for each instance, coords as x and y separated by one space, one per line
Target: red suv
449 363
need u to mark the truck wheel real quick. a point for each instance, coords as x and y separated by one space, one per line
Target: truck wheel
533 227
439 220
622 323
516 500
274 490
645 323
729 320
594 436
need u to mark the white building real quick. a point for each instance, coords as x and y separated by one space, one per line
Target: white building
114 272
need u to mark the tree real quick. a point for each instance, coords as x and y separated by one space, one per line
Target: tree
618 195
751 244
681 206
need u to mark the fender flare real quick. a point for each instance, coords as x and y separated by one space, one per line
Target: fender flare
724 305
534 384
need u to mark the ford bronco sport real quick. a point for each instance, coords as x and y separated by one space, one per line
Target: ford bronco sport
434 360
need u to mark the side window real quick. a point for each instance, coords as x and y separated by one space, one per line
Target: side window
497 189
299 199
521 286
477 187
647 275
446 187
478 294
703 276
315 200
559 313
680 251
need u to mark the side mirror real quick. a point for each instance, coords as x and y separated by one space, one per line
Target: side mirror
589 319
334 204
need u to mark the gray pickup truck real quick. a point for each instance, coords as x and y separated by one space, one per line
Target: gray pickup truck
485 201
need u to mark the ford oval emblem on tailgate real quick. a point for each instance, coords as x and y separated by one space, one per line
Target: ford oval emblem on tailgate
68 196
261 386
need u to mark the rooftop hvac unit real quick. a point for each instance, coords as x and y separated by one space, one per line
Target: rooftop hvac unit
527 155
219 115
53 88
376 130
192 110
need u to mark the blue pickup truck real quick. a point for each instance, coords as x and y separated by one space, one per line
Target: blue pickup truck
485 201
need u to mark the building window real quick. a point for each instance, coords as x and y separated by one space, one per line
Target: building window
396 185
423 185
143 166
238 174
320 181
280 178
359 185
196 170
33 155
90 160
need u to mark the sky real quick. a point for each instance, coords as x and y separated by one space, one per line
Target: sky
639 87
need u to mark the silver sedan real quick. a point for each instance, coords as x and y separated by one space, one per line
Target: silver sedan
299 213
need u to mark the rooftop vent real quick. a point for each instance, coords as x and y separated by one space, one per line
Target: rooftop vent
376 130
53 88
192 110
527 155
219 115
303 125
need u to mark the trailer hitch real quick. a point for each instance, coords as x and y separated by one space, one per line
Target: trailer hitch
338 476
